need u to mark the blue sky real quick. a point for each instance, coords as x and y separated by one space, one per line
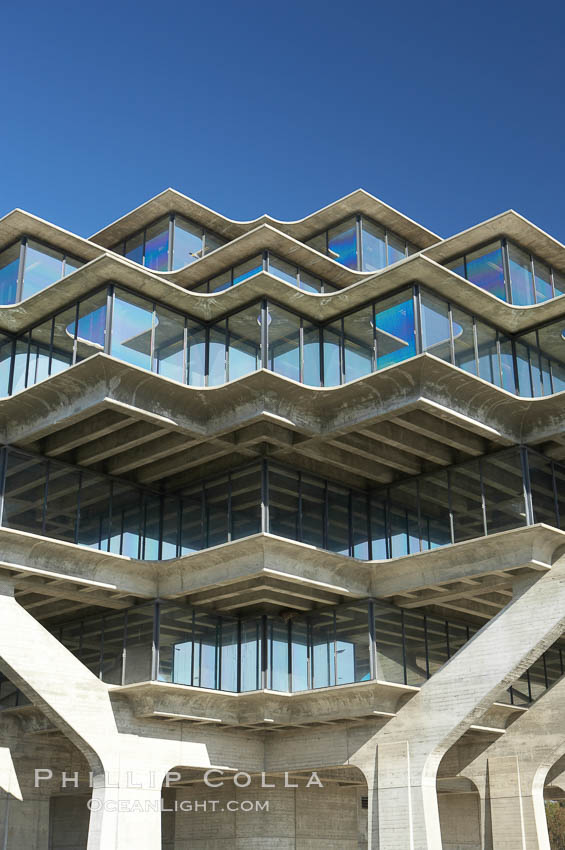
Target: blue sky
450 112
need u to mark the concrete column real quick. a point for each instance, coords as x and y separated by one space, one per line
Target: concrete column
512 771
401 760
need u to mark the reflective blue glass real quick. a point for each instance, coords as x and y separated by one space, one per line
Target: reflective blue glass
396 248
394 322
542 282
332 355
489 365
436 331
132 324
284 343
342 244
464 341
195 355
42 267
520 276
248 269
157 246
169 344
485 269
244 343
134 248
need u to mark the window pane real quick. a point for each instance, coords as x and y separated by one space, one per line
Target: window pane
134 248
542 281
195 355
283 503
332 354
394 321
504 492
63 341
94 511
352 643
217 512
277 653
24 493
520 275
284 343
485 269
435 327
359 344
323 650
313 500
342 243
283 270
6 348
221 282
388 634
463 341
543 496
245 502
43 266
211 242
457 266
71 265
131 329
374 247
415 645
40 349
434 511
91 334
191 522
311 337
466 501
250 655
338 519
523 368
217 355
396 248
169 344
21 357
62 502
244 342
507 363
248 269
9 265
489 367
558 283
309 283
187 243
157 245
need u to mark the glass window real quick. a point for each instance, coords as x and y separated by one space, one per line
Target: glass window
434 510
313 511
283 270
284 342
62 502
217 354
332 335
489 366
543 495
211 242
192 521
221 282
466 501
132 324
283 503
277 649
244 342
359 344
172 520
6 349
91 333
134 248
139 643
520 264
374 247
248 269
309 283
24 493
396 248
217 499
323 649
9 266
558 283
157 245
464 341
390 649
542 281
21 357
245 502
250 650
342 243
195 354
435 327
42 267
507 363
379 537
359 526
416 648
338 519
40 352
300 654
523 369
485 269
457 266
71 265
187 245
311 342
396 336
352 643
504 492
94 511
169 344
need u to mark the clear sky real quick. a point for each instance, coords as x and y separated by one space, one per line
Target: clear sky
449 111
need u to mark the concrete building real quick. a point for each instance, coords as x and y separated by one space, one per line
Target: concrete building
281 507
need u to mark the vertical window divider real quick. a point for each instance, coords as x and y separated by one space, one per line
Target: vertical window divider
372 640
207 356
325 517
109 319
110 500
555 496
375 349
45 496
264 496
450 507
264 654
506 270
171 241
4 467
483 498
451 333
51 338
515 364
230 516
359 238
12 367
300 528
124 648
77 514
527 485
301 351
155 642
101 655
404 667
289 639
185 378
335 646
321 344
238 680
499 359
342 372
264 335
476 347
21 267
152 358
417 301
426 646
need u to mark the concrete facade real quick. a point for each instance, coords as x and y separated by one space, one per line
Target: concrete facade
282 560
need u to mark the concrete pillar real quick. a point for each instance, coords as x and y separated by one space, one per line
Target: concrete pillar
512 771
401 760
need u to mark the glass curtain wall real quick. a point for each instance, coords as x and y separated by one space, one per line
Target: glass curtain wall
511 273
498 492
359 641
265 335
361 244
29 266
267 262
169 243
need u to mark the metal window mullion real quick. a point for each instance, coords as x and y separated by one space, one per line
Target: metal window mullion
156 640
185 352
45 497
21 267
372 640
264 496
101 655
110 298
264 653
499 358
451 334
77 514
555 496
533 273
506 270
264 334
483 497
359 238
230 514
342 366
289 685
527 486
404 664
124 648
301 351
152 358
335 647
238 675
417 307
171 241
426 646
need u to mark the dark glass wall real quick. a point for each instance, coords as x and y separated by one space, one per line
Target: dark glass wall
360 641
501 491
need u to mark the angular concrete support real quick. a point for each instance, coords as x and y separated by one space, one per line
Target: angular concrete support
510 775
128 766
400 762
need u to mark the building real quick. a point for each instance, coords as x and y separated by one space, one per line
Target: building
282 501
